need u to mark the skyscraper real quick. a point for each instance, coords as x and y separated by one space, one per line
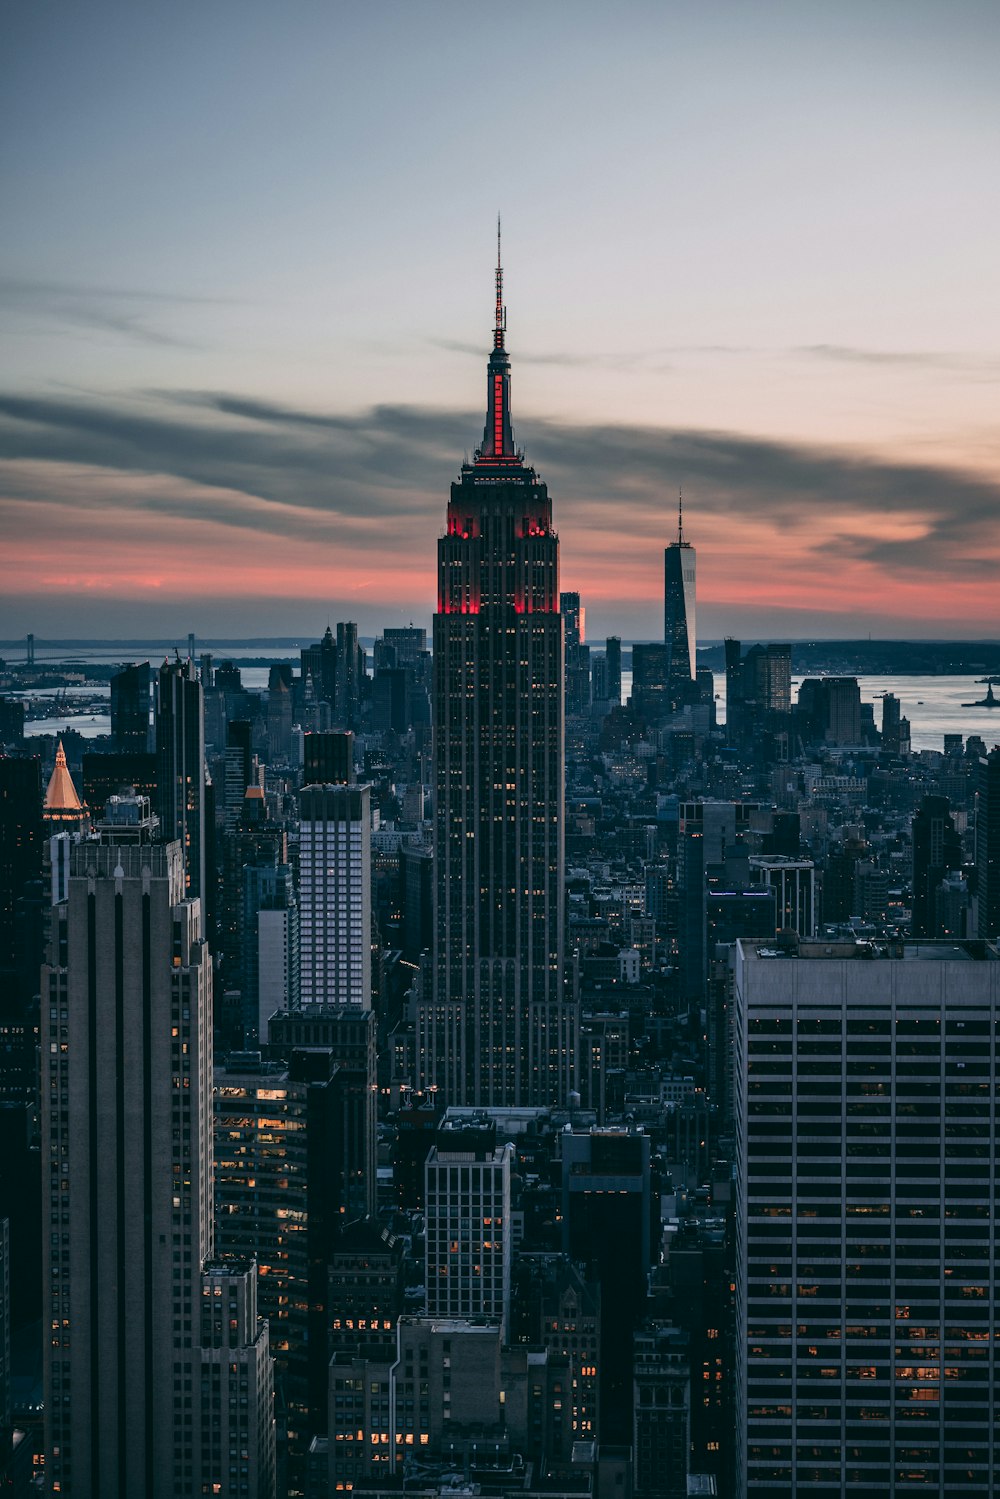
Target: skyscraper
130 707
278 1179
328 758
988 845
180 768
350 671
467 1209
613 649
866 1166
607 1220
269 946
937 851
577 653
335 931
496 1029
20 851
679 634
132 1366
348 1033
649 682
759 698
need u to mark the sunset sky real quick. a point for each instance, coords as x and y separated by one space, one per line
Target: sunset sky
246 288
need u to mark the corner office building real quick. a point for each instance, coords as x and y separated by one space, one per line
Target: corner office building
469 1241
497 1030
868 1331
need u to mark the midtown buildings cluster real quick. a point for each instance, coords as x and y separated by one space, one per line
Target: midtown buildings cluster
443 1072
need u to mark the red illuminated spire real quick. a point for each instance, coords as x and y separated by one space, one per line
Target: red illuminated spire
498 438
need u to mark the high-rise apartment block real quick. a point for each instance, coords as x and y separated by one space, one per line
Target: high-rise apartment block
335 895
867 1324
496 1028
130 1368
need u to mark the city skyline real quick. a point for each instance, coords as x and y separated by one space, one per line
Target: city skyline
749 257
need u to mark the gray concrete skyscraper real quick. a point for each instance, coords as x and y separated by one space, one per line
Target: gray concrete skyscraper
867 1256
679 630
157 1370
469 1249
497 1029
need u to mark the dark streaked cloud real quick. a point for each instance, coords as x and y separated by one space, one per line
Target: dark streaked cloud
949 361
125 312
918 359
563 360
271 465
29 290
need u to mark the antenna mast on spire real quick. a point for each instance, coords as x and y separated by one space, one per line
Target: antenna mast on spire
680 515
501 320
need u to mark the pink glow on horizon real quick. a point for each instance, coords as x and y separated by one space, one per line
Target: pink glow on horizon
119 540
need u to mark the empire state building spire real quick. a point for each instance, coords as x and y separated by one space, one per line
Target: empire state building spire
500 327
499 1027
498 437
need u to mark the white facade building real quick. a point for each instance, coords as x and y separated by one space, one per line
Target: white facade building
275 937
335 895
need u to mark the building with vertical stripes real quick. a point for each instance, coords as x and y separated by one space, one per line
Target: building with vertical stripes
868 1333
496 1029
127 1199
335 902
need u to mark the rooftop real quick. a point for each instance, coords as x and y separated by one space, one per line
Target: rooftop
975 950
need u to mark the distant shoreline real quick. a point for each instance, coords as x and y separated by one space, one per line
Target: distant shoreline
808 657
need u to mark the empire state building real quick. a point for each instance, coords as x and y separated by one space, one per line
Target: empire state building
498 1028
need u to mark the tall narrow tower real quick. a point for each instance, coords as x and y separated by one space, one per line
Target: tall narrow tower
157 1369
497 1029
180 768
679 633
